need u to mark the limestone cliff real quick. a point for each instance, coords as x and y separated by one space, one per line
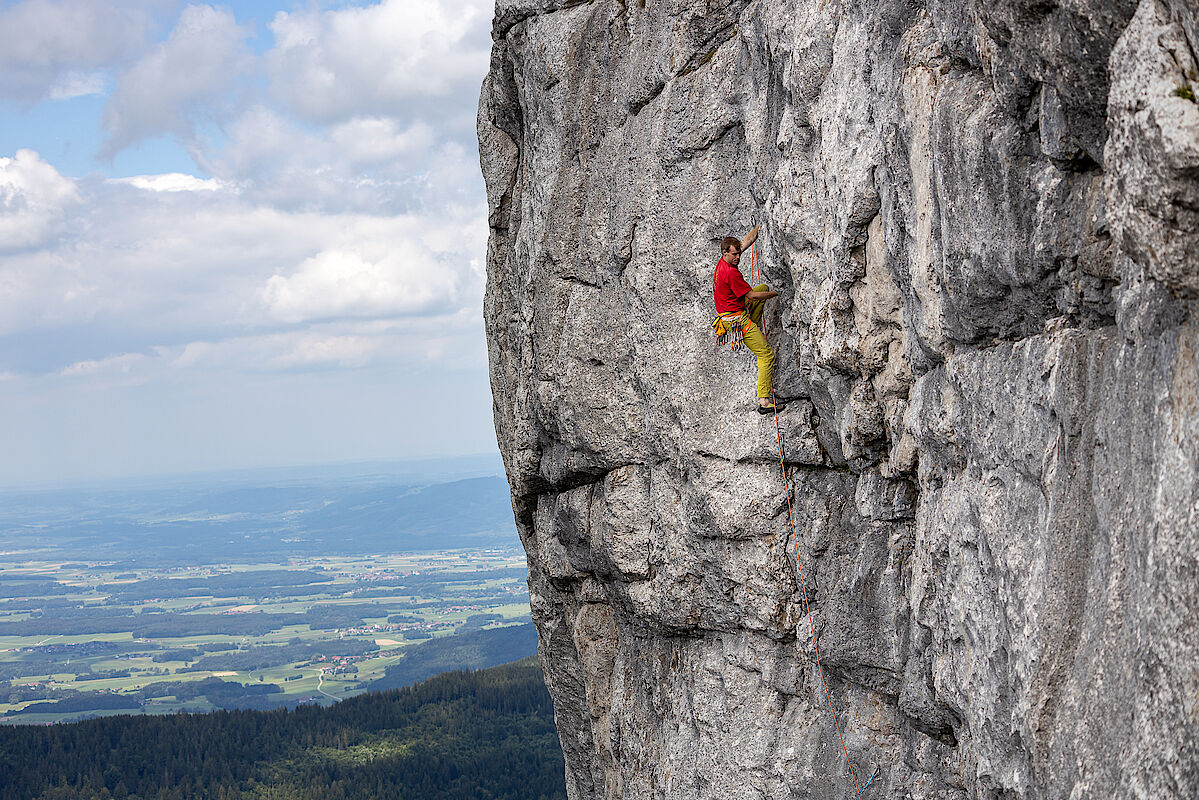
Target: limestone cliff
983 219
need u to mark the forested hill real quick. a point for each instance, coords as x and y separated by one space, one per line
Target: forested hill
461 734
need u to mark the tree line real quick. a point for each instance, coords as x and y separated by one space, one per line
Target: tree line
486 734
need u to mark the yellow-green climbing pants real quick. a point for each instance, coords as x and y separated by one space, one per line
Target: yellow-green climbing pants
755 340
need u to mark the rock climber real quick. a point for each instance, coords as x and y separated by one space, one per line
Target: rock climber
740 305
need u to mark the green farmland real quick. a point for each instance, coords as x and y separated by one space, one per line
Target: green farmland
80 640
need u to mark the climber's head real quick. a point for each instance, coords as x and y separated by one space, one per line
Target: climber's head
730 249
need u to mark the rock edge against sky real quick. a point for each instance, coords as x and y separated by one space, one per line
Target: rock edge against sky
983 220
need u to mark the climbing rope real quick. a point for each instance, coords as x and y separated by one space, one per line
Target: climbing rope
753 266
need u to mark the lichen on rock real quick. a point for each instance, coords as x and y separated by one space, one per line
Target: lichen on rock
983 222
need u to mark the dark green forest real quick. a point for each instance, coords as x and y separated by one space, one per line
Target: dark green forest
487 734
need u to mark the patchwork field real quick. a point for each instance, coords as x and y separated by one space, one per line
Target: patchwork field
82 639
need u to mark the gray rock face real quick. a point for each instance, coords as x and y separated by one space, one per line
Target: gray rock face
983 222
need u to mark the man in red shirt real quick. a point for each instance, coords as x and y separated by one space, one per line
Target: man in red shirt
740 304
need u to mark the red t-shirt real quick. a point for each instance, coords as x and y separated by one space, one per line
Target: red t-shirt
728 287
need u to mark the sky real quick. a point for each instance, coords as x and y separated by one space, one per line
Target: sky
239 235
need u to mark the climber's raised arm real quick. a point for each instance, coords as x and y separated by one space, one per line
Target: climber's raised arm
750 238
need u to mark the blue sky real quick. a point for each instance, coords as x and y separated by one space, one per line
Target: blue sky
239 235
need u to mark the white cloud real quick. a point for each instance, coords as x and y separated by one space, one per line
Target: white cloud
172 182
78 84
305 349
33 200
351 283
342 230
143 267
369 164
52 48
180 81
375 140
261 142
454 340
122 364
330 65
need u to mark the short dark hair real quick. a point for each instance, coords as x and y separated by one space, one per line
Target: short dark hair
729 243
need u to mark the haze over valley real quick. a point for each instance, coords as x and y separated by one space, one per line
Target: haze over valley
253 590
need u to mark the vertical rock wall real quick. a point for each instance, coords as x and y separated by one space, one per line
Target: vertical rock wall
983 222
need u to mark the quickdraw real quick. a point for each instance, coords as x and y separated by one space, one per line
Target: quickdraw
727 327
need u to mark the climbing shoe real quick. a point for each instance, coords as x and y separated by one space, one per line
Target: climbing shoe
770 408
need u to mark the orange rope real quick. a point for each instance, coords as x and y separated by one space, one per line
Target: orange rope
753 260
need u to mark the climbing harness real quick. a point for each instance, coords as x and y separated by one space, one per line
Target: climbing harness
729 326
753 260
